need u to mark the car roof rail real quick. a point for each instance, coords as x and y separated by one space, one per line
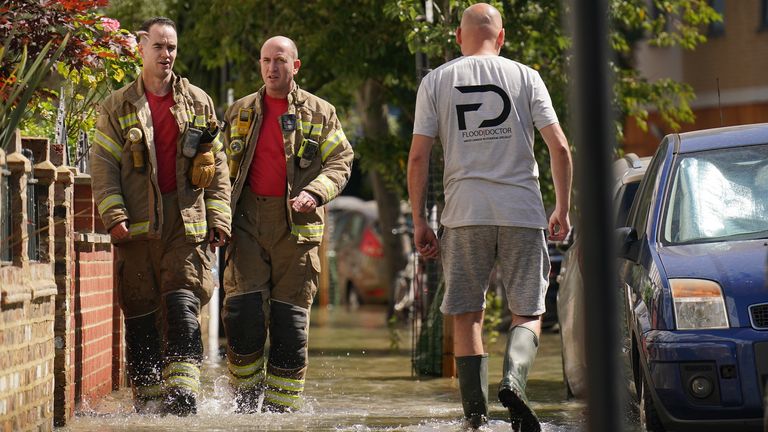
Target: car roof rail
633 159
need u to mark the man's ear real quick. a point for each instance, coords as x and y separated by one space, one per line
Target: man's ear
458 35
296 66
500 40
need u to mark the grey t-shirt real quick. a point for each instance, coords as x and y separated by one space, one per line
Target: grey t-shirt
484 109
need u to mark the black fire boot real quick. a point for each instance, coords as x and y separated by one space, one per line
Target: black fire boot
284 389
183 352
247 380
522 346
143 363
287 365
245 322
473 386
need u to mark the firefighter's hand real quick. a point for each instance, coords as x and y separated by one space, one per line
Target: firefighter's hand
120 231
203 169
217 238
304 203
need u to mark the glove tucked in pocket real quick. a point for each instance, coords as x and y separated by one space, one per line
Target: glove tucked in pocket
203 167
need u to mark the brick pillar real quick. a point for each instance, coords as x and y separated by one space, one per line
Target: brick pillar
19 167
64 254
45 173
93 318
83 204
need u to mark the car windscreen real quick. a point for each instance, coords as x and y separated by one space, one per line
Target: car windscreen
718 195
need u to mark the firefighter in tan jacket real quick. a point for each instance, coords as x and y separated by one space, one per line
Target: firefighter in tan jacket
288 156
161 184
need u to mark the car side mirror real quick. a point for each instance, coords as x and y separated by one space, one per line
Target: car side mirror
627 244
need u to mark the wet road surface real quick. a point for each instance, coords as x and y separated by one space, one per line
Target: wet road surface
355 382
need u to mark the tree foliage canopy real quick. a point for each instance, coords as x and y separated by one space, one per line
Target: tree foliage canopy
342 44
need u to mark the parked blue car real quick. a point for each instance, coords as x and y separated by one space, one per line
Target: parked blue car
692 267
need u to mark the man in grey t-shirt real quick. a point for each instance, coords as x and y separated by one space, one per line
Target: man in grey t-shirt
484 108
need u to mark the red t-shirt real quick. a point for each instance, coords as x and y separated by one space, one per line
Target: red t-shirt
267 173
166 136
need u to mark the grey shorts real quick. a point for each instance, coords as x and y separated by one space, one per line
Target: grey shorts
469 254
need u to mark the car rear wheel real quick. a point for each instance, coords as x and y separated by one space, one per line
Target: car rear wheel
649 417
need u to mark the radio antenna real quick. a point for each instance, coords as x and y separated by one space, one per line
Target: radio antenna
719 107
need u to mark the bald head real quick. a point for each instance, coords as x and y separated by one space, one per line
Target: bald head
282 42
481 30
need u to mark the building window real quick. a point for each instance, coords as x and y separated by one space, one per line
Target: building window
6 225
764 15
717 28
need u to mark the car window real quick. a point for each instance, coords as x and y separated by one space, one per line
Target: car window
638 214
624 199
718 195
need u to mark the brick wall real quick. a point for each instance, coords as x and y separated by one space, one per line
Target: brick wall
96 330
60 325
27 306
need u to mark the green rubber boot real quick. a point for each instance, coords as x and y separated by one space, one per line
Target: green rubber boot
522 346
473 386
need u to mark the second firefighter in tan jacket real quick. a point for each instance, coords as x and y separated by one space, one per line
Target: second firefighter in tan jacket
288 156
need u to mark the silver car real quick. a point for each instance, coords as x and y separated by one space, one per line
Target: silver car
628 171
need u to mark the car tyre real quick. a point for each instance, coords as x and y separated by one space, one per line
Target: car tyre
649 417
765 408
568 390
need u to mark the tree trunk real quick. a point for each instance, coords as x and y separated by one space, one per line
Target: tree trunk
371 106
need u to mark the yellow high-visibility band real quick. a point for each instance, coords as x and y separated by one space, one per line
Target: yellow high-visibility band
108 144
110 201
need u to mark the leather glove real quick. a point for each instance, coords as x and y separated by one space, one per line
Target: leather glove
203 169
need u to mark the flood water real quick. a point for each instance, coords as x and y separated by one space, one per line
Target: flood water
355 382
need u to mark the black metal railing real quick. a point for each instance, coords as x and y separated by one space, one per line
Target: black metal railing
6 225
33 223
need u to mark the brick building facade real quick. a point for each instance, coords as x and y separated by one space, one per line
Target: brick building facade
727 73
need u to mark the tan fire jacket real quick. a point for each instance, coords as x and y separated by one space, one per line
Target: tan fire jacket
124 194
325 175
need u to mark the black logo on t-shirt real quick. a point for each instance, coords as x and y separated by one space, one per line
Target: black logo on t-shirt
462 109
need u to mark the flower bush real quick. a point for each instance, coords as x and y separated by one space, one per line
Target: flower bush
97 58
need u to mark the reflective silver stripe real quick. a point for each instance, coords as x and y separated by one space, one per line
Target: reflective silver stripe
309 231
329 144
194 228
252 381
330 187
138 228
110 201
128 120
217 145
108 144
288 384
314 128
182 381
248 369
214 204
200 121
185 368
290 401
